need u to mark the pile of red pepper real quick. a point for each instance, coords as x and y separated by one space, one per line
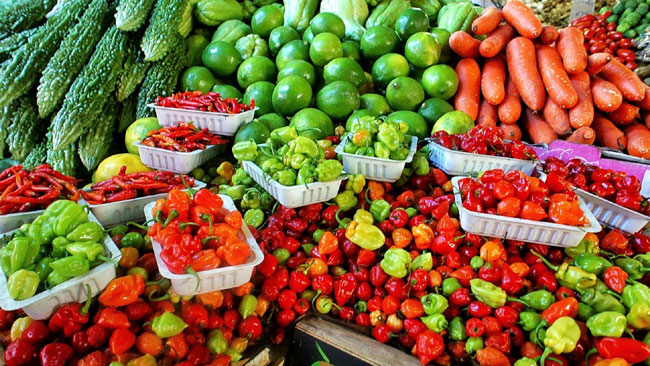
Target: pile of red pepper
600 36
128 186
29 190
209 102
485 140
184 137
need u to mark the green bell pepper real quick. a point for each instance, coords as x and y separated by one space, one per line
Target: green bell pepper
286 177
241 177
56 278
591 263
217 343
305 146
89 231
395 262
254 217
601 301
43 268
423 261
72 216
87 249
245 150
634 293
457 330
380 209
59 245
71 266
607 324
529 320
328 170
538 300
22 284
585 311
639 316
633 267
435 322
168 325
388 135
488 293
434 304
355 183
346 200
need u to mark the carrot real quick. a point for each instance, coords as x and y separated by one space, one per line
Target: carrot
638 141
624 114
555 78
645 115
549 34
645 103
582 114
512 131
487 114
464 44
496 41
538 129
606 95
510 109
569 45
493 80
487 22
557 117
469 87
597 61
607 134
522 65
625 79
520 16
583 135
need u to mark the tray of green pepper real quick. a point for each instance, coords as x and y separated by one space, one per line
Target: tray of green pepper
58 258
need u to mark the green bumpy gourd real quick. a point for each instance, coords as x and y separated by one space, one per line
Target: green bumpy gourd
130 15
163 26
94 145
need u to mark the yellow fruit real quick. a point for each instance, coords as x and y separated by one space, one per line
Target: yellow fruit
111 166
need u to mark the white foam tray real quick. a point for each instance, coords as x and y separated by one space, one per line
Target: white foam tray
175 161
293 196
455 162
214 279
121 212
383 170
15 220
42 305
219 123
503 227
613 215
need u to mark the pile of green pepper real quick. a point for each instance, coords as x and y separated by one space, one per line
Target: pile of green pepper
377 137
59 245
249 197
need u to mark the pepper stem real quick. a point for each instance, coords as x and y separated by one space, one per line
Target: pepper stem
140 226
514 299
541 324
207 217
84 310
190 190
183 225
156 299
549 264
107 259
172 215
589 353
207 239
547 351
366 196
628 332
336 215
191 271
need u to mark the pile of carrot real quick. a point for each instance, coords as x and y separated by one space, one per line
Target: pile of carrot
539 81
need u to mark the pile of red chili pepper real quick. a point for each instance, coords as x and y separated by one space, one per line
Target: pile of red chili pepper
128 186
184 137
209 102
28 190
600 36
485 140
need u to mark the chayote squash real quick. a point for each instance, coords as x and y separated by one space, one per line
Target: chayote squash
215 12
231 31
298 13
252 45
353 13
430 7
386 13
249 9
457 16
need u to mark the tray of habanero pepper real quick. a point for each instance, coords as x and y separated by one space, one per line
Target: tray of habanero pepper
122 198
25 194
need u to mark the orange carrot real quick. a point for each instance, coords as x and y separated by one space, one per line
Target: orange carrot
582 114
569 45
512 131
549 34
522 65
487 22
607 134
583 135
487 114
520 16
597 61
606 95
557 117
493 80
538 129
464 44
626 81
469 87
496 41
555 78
645 115
645 103
638 141
510 109
625 114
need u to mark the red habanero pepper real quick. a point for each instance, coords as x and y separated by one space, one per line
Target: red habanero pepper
629 199
631 350
112 318
344 288
194 314
97 335
178 203
614 241
36 332
121 341
564 307
429 346
122 291
208 200
70 318
614 278
56 354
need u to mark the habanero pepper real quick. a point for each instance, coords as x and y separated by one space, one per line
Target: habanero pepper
70 318
631 350
122 291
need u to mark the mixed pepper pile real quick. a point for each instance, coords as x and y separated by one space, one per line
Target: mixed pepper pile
485 140
208 102
184 137
370 136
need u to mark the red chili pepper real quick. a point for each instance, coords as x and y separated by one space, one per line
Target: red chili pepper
564 307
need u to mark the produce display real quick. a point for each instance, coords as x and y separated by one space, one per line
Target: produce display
368 136
487 140
208 102
184 137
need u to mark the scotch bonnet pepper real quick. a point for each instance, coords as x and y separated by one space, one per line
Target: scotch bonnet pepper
561 337
570 276
168 325
395 262
607 324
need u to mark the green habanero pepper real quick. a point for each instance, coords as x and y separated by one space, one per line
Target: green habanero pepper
457 330
324 304
525 361
59 245
399 154
133 240
381 150
217 343
317 235
251 198
254 217
71 266
421 164
346 200
585 311
43 268
266 201
434 304
272 166
168 325
488 293
355 183
365 151
634 293
389 135
89 231
71 217
572 277
423 261
607 324
245 150
297 161
380 209
329 170
305 175
305 146
639 316
55 278
119 230
435 322
286 177
591 263
395 262
561 337
87 249
473 344
633 267
644 259
538 300
22 284
362 216
449 285
412 212
529 320
247 306
601 301
585 246
324 144
285 134
241 177
24 252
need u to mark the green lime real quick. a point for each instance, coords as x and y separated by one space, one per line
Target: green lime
273 121
359 113
338 99
262 93
411 21
417 125
194 46
442 36
308 36
352 50
254 130
294 50
197 78
137 131
312 123
265 19
300 68
388 67
281 36
327 23
454 122
222 58
434 108
252 45
377 41
254 69
291 94
345 69
231 30
227 91
440 81
324 48
404 93
375 103
422 50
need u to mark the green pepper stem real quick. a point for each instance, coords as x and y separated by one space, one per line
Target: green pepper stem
107 259
336 215
366 196
514 299
156 299
589 353
159 282
313 301
547 351
172 215
629 332
549 264
322 353
183 225
190 270
541 324
207 217
84 310
616 295
207 239
140 226
191 191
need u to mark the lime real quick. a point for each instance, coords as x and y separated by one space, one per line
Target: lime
112 165
197 78
377 41
308 36
231 30
254 130
262 93
359 113
422 49
434 108
273 121
294 50
352 50
411 21
338 99
375 103
454 122
300 68
440 81
137 131
194 48
404 93
254 69
345 69
291 94
281 36
388 67
327 23
265 19
312 123
227 91
417 125
324 48
442 36
222 58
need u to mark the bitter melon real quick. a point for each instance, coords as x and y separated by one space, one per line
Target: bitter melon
37 156
162 29
85 100
127 113
66 161
19 15
94 145
135 69
6 115
70 58
186 23
25 130
131 14
11 43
